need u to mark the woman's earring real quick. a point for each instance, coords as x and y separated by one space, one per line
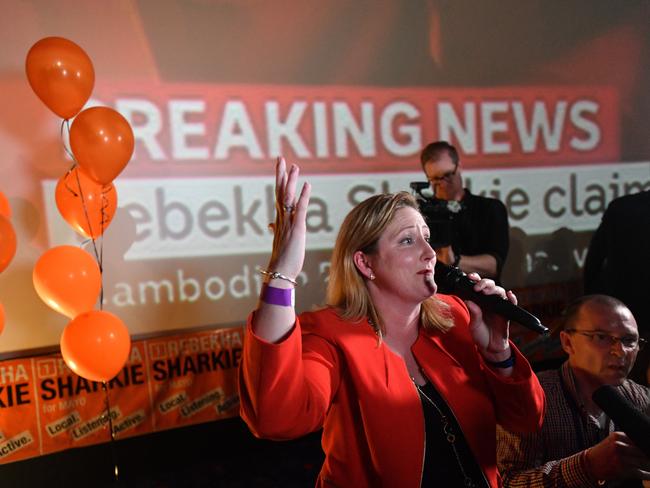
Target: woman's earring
372 276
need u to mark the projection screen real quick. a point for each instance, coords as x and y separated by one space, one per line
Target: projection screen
546 101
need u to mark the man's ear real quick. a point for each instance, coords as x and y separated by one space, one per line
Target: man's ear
567 345
362 264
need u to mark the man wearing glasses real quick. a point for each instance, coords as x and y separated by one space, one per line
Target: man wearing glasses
479 229
578 445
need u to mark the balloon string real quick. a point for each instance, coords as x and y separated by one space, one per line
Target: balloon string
112 433
65 182
83 204
99 255
104 219
66 124
101 258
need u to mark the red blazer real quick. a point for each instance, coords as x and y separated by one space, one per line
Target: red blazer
332 374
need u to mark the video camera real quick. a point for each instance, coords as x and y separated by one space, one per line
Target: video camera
438 214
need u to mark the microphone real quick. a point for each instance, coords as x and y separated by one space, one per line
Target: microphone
618 408
455 282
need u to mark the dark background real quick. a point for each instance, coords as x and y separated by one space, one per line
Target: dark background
221 454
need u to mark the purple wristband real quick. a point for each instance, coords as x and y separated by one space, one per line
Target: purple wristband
284 297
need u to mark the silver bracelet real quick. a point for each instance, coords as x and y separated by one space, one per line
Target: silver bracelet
276 275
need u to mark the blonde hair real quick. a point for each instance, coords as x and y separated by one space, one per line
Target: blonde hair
360 231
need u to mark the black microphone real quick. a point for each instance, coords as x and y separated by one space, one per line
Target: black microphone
630 420
455 282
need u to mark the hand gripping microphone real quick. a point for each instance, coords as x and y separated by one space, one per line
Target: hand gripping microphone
626 418
457 283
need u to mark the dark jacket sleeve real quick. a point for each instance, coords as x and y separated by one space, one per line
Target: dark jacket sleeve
498 239
597 253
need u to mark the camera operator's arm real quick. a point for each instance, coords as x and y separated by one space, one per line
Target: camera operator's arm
490 224
483 264
484 230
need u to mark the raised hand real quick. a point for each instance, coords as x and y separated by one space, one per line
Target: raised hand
290 227
273 321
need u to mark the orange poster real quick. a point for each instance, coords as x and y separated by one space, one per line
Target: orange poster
19 431
73 410
194 377
167 382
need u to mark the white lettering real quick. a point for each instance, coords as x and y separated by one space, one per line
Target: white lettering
412 133
181 129
362 135
590 128
236 130
451 127
278 130
491 126
136 110
539 124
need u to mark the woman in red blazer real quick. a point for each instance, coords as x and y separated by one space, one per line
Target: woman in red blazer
407 385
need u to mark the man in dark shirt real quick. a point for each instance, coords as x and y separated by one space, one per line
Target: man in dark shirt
479 228
618 263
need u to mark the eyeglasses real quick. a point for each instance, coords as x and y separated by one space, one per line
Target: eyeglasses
601 339
445 177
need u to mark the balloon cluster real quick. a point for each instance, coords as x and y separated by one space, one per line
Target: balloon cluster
7 244
95 344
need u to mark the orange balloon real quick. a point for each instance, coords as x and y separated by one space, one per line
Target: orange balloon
95 345
102 143
5 208
2 318
7 242
67 279
61 74
85 204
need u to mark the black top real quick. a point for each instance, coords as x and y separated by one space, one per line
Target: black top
481 228
443 459
618 260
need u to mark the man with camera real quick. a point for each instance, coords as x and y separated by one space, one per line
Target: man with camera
467 231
